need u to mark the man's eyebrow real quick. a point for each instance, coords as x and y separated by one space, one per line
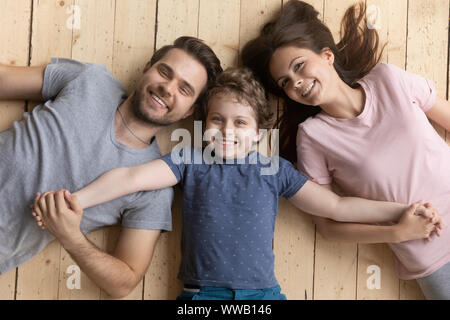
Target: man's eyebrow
290 65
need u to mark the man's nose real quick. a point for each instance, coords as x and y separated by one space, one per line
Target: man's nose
168 88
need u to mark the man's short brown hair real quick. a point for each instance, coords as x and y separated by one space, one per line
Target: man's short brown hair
242 86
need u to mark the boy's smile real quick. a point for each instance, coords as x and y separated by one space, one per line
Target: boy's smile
231 125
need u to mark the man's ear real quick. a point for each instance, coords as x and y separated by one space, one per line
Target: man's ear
147 66
190 111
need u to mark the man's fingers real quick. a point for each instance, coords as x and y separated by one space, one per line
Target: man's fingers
50 200
42 201
73 202
60 201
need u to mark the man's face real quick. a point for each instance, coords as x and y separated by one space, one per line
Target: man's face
168 89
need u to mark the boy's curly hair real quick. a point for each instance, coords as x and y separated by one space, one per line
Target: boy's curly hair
243 86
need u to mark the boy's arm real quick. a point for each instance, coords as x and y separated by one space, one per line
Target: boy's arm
118 182
21 83
320 201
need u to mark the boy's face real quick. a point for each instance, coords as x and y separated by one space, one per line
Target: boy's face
232 126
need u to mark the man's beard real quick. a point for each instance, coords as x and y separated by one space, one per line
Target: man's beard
136 108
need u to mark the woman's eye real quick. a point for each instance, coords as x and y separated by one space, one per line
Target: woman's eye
284 83
215 119
240 122
297 66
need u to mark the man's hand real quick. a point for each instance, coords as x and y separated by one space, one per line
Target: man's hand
60 218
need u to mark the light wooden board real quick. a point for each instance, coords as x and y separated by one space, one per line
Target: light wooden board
38 278
14 51
391 27
427 37
92 41
175 19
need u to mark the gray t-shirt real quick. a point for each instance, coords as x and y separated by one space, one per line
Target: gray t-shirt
68 142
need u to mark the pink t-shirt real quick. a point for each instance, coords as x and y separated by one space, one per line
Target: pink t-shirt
389 152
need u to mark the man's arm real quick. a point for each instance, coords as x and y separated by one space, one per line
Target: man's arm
117 274
21 83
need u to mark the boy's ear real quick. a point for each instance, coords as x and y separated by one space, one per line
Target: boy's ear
259 136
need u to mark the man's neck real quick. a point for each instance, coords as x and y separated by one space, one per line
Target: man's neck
131 131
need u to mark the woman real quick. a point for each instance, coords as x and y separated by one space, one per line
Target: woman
360 124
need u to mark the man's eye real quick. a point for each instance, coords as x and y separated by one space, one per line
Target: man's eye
184 91
164 73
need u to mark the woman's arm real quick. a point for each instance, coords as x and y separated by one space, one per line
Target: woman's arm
410 227
122 181
440 113
320 201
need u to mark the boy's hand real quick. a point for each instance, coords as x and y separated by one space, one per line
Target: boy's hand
60 213
418 223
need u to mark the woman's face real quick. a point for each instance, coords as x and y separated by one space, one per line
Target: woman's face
302 74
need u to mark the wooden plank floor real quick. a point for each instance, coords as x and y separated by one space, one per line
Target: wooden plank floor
122 34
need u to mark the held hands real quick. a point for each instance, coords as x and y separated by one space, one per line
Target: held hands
419 222
60 213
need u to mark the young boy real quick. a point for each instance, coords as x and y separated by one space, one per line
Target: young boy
229 205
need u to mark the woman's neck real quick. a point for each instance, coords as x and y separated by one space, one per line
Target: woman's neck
345 102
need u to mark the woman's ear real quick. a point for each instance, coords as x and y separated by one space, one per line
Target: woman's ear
328 55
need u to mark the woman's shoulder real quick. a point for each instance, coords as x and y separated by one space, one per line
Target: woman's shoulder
384 70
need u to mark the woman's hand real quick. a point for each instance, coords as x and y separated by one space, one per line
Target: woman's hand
419 222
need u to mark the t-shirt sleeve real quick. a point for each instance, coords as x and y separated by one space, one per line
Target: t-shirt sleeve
151 210
421 90
310 160
290 179
59 73
177 161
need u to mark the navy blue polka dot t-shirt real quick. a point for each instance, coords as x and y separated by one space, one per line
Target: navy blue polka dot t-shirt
229 212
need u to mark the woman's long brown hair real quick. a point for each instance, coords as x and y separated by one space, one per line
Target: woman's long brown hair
297 24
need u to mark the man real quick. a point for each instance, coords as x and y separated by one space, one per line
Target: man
86 127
